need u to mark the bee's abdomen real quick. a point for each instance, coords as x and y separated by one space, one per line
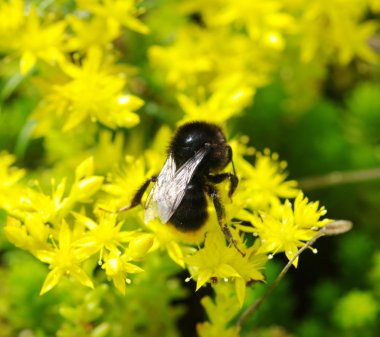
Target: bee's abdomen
191 214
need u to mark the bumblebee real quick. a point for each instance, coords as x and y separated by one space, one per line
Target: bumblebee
197 154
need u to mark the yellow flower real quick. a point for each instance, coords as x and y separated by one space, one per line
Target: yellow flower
64 259
86 184
217 260
105 234
109 150
285 229
196 63
117 267
122 12
307 214
374 5
221 309
218 108
9 175
155 156
166 237
139 246
324 24
263 183
356 44
122 184
35 40
261 19
52 208
93 92
186 60
11 19
47 208
31 235
95 32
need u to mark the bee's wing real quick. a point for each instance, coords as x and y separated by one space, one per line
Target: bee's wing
169 194
166 175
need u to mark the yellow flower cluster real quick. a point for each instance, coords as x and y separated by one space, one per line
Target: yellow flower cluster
35 40
49 228
89 90
216 61
87 84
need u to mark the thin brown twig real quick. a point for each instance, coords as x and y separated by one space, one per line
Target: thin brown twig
333 228
339 178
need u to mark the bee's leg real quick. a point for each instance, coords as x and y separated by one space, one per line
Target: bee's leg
213 193
235 180
139 194
218 178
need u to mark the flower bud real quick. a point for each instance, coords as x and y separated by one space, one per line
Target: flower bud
86 188
85 169
138 248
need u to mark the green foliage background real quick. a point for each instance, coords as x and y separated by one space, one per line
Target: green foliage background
334 292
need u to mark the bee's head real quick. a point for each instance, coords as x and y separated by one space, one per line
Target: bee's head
194 136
